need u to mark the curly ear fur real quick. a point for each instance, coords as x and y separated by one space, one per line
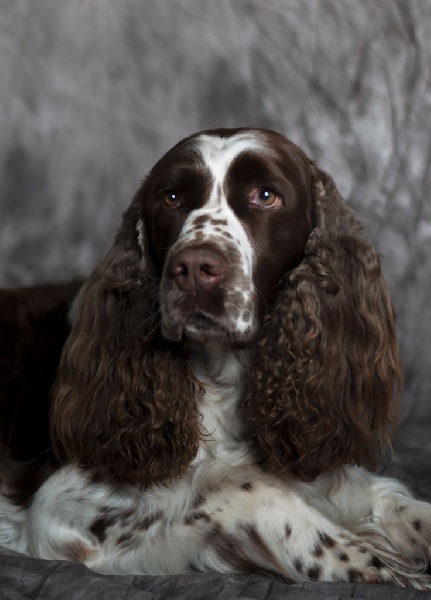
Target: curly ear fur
124 402
326 369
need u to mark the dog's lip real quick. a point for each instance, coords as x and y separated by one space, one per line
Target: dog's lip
199 322
200 326
196 324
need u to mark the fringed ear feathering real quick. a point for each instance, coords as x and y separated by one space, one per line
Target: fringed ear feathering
326 374
124 401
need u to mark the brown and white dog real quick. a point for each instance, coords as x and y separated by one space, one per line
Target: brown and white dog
231 369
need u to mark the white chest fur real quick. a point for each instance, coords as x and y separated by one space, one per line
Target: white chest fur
224 375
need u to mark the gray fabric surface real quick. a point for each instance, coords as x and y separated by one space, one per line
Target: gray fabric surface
93 92
44 579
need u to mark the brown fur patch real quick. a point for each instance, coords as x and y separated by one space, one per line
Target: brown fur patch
314 572
355 576
196 516
77 551
198 500
247 486
100 525
376 563
126 537
326 540
146 523
298 565
417 525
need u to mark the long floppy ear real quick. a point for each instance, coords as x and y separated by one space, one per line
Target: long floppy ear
326 374
124 402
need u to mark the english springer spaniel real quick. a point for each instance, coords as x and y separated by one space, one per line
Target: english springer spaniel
231 372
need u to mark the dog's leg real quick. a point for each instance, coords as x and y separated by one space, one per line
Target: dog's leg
222 519
256 522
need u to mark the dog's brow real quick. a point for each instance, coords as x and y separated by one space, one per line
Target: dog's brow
218 152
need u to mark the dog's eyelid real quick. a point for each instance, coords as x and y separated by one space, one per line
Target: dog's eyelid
266 197
171 199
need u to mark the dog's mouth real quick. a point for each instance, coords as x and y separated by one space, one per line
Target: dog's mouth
195 325
199 325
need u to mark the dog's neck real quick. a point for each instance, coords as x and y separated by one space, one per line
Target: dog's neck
223 371
218 363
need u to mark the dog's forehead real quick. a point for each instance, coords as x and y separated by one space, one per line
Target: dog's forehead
218 152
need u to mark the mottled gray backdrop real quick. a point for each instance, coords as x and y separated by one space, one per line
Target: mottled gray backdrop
92 92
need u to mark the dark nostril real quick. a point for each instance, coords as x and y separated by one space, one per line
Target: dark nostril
211 269
179 269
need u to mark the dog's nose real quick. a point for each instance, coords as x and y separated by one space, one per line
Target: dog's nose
198 269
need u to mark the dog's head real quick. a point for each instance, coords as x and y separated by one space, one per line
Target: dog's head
235 235
226 215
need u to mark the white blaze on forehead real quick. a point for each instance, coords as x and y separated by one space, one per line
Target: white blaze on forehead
219 152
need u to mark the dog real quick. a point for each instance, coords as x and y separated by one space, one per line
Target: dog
228 385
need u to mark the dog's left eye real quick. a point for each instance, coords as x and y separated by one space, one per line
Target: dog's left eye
171 199
266 198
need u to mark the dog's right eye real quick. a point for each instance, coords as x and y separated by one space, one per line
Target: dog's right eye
266 198
171 199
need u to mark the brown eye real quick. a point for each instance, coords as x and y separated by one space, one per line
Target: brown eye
171 199
266 198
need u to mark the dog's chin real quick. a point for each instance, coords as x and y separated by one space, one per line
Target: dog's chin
199 327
